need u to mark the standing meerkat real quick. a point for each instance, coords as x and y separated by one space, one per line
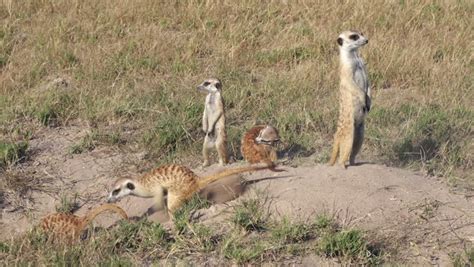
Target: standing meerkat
213 121
354 99
170 185
258 144
69 227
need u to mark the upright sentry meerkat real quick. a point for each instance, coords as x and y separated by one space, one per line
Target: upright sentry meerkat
69 227
213 121
355 99
170 185
258 144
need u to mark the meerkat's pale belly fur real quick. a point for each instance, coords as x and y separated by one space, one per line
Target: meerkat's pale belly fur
256 153
214 126
354 105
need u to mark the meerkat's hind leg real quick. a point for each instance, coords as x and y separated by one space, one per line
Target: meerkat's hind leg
160 201
346 145
273 154
222 152
173 204
358 140
175 201
205 151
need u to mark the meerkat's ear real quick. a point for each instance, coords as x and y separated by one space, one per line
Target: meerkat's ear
130 186
340 41
219 85
115 192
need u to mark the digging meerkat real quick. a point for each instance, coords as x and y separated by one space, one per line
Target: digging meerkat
170 185
355 99
258 144
69 226
213 121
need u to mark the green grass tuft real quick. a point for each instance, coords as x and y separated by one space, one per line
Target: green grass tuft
4 248
250 215
288 232
182 217
138 237
68 204
95 139
324 223
239 251
464 258
350 246
55 107
11 153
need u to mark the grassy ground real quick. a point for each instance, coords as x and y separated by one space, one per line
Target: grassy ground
247 236
125 64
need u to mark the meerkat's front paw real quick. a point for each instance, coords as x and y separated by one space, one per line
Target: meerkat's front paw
205 164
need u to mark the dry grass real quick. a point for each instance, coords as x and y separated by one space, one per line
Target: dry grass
139 63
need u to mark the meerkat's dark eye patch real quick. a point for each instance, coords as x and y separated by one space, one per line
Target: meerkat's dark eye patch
206 83
115 192
354 37
340 41
130 186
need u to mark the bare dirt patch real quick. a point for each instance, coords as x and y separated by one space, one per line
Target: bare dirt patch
59 175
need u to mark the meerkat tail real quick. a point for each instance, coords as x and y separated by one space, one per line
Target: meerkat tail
214 177
104 207
335 152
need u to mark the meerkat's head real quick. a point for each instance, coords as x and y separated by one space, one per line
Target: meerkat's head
122 188
268 136
351 40
210 86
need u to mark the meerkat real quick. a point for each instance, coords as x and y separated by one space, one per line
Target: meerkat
213 121
258 144
69 227
170 185
355 99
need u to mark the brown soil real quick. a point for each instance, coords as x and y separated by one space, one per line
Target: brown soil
419 216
